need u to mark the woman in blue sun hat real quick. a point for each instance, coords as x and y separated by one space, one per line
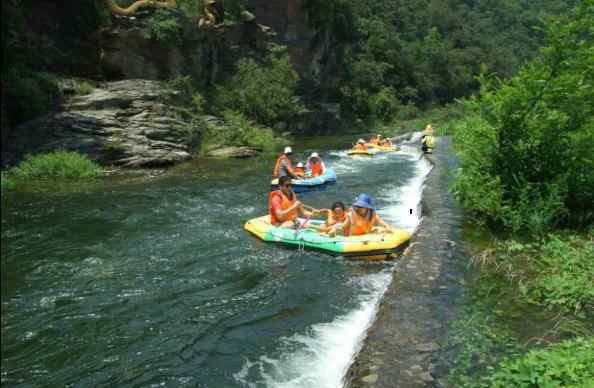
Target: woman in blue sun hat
363 218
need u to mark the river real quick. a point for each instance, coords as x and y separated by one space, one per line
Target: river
154 282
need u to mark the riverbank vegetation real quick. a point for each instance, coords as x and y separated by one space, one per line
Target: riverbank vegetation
527 176
387 63
63 165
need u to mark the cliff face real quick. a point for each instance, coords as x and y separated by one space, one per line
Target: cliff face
206 55
310 51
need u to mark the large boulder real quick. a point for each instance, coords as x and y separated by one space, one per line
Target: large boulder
125 123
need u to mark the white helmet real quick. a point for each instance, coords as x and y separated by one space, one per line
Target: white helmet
288 150
314 155
299 164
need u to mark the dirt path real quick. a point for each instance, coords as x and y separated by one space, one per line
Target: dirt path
402 346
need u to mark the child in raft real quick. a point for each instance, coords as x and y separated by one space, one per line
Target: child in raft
361 219
299 170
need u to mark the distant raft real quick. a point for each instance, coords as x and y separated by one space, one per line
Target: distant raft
373 246
384 148
360 153
329 176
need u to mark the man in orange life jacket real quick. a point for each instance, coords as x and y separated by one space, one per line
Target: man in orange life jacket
363 218
283 165
315 165
283 206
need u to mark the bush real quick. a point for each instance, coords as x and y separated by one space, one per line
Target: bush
58 164
264 93
164 27
566 364
238 130
527 139
83 88
28 94
6 182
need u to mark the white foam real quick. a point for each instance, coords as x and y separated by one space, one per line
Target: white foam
405 211
321 357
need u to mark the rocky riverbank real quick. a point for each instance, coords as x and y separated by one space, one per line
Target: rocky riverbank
123 123
402 346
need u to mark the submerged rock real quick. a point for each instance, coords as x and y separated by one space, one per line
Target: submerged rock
234 152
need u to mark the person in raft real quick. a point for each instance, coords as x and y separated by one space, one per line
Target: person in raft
299 170
283 165
283 206
377 139
315 165
336 216
363 219
386 142
360 146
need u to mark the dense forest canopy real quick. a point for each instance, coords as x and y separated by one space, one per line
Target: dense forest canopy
392 56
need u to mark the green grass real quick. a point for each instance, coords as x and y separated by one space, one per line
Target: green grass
555 272
54 165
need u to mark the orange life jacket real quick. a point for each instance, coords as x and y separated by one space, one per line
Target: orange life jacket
285 204
334 219
276 171
299 171
316 168
360 225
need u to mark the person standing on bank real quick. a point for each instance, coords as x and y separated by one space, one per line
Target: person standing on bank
283 165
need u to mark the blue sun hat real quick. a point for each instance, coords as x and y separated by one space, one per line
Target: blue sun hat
364 200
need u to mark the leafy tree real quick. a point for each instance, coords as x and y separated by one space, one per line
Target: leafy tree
527 153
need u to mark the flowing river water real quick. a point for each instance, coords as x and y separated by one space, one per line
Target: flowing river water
154 282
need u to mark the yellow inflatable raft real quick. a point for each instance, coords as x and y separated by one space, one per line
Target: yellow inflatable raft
360 153
373 246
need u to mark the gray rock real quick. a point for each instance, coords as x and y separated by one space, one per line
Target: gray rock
122 123
428 347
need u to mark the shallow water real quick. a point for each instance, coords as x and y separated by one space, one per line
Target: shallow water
155 283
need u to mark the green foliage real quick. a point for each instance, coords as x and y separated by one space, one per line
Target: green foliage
555 272
238 130
82 88
27 94
524 147
6 183
427 52
164 27
567 364
479 340
564 274
58 164
263 92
